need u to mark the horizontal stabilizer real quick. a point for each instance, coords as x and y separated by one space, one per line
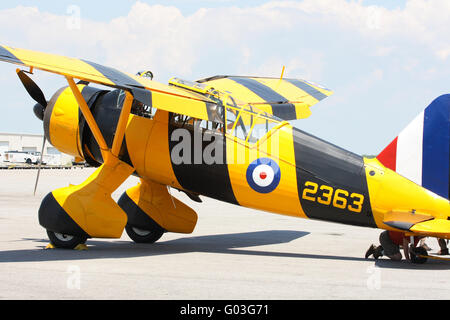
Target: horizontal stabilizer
439 228
419 223
405 220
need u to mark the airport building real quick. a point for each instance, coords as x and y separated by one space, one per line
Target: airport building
31 143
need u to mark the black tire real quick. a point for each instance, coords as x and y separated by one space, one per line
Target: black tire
416 253
65 241
145 236
28 161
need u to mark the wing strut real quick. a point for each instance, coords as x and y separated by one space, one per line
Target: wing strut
121 126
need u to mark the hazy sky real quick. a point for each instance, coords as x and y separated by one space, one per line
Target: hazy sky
385 60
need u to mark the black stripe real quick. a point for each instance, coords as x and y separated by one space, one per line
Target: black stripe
280 108
54 218
307 88
136 216
211 180
124 82
402 225
8 56
323 163
106 113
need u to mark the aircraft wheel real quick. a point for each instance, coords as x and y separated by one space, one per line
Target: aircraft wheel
65 241
419 251
144 236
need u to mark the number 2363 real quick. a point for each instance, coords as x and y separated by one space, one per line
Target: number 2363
341 199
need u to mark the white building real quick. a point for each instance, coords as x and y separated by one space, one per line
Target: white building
32 143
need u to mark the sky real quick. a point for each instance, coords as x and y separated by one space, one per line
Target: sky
385 60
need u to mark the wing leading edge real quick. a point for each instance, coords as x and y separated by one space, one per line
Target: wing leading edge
148 92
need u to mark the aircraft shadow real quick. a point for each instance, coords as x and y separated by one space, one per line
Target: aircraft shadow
224 244
98 249
236 244
429 265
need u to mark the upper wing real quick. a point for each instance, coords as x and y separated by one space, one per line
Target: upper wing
148 92
287 99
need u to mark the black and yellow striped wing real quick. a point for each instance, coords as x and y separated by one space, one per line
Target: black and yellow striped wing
148 92
287 99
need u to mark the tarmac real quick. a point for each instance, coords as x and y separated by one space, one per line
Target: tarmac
234 253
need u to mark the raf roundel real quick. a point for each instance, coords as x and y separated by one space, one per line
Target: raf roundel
263 175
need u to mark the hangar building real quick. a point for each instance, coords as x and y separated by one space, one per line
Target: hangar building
31 143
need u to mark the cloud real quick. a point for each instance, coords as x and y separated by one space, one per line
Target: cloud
421 21
161 37
444 53
359 51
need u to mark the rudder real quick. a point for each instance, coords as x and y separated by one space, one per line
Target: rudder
421 152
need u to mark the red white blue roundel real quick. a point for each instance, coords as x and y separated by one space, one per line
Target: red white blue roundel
263 175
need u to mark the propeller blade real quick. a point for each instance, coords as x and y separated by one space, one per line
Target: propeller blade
39 166
32 88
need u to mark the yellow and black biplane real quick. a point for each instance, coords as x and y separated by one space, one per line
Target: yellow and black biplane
224 137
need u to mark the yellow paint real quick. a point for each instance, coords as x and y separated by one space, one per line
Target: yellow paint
390 192
309 192
137 137
392 197
434 257
299 98
189 85
278 146
90 204
338 198
327 194
358 201
158 164
282 73
179 104
294 95
438 228
63 128
407 216
60 65
81 247
170 213
240 94
148 144
89 117
164 97
122 124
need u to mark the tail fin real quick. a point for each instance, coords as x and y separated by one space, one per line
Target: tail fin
421 152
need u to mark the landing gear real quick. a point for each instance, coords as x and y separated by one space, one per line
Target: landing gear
418 255
65 241
145 236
